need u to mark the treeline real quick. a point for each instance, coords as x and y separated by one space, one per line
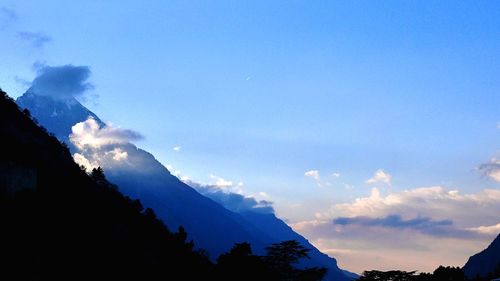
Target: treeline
442 273
59 223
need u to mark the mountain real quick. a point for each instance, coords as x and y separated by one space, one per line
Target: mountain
64 112
484 262
58 223
139 175
279 230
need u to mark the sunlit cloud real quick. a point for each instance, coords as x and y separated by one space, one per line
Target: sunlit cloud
379 177
117 154
489 229
81 160
336 174
230 194
312 174
89 133
221 182
413 222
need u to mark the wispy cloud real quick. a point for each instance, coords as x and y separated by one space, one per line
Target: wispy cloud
36 39
316 176
177 148
380 177
7 16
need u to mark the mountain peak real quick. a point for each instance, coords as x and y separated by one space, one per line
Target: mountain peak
56 114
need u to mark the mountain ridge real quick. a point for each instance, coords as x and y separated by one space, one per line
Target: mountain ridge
62 224
484 262
209 224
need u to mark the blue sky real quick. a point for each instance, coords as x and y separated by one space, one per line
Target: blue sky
261 92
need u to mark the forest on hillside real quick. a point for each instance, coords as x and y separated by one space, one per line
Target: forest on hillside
60 223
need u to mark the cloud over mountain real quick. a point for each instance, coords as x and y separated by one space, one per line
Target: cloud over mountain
101 145
236 202
89 133
62 81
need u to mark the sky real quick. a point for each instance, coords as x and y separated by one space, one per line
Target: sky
372 126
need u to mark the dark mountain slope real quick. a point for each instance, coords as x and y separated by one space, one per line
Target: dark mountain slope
57 223
209 224
484 262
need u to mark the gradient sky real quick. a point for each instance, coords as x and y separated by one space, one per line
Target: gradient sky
323 107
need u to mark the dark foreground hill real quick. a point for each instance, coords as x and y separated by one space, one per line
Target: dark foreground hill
58 223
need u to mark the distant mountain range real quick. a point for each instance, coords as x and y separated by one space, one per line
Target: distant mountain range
139 175
484 262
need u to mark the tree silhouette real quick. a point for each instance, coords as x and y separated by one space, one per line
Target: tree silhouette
241 264
392 275
449 274
278 264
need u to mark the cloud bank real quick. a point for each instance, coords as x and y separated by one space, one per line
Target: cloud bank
220 192
428 224
62 81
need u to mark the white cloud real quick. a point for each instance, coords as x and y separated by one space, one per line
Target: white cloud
229 194
177 148
434 225
118 154
89 133
263 194
379 176
336 174
312 174
221 182
105 146
489 229
81 160
491 169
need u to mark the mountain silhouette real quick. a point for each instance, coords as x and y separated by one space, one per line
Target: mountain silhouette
484 262
59 223
209 224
